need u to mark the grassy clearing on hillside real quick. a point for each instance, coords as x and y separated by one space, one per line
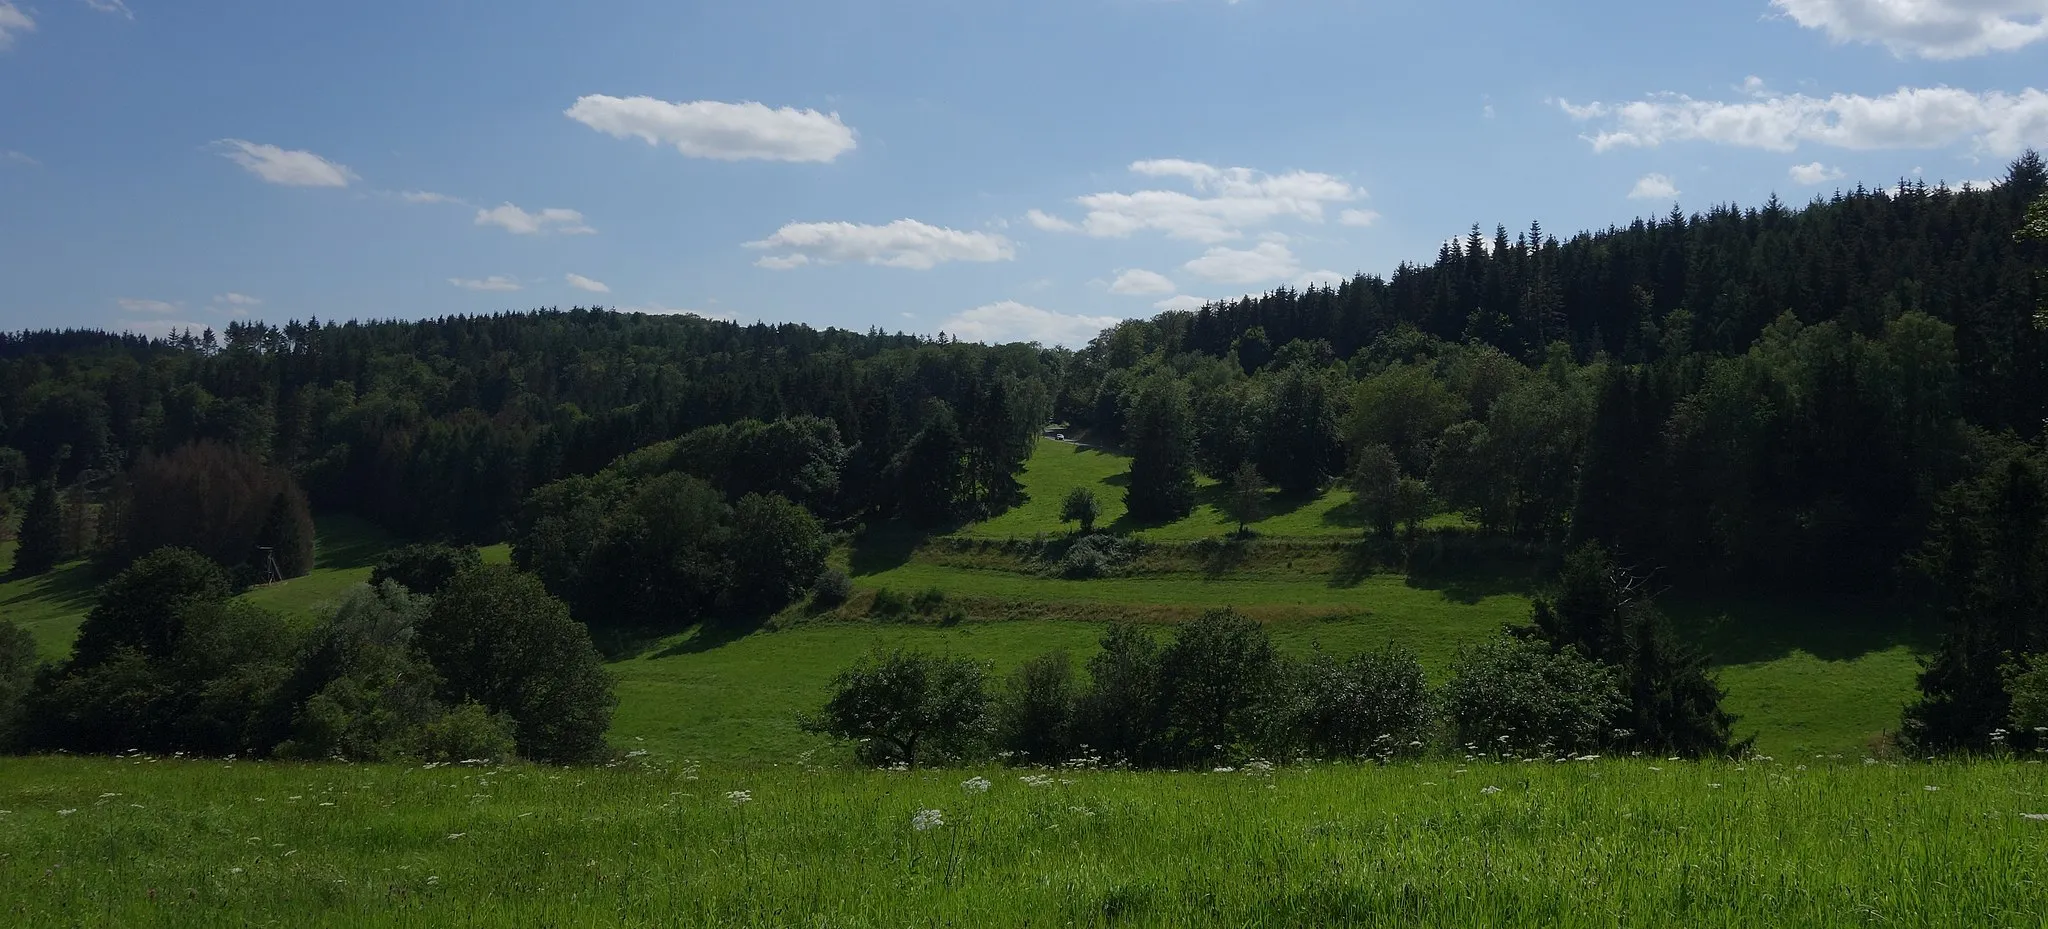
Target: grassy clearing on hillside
1612 843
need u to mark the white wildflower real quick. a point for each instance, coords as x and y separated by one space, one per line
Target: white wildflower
738 797
1931 788
1222 770
456 835
975 785
66 812
1489 790
1037 780
1713 786
926 820
2036 817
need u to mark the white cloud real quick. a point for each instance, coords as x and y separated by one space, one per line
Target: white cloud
428 196
13 20
1050 223
134 305
580 282
111 6
1226 202
235 299
1010 321
496 283
1653 187
1263 262
1358 217
725 131
905 243
289 168
1815 173
1911 117
1182 302
519 222
1320 279
13 157
1938 29
1141 281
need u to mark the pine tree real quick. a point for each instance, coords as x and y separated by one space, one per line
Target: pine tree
1162 441
42 533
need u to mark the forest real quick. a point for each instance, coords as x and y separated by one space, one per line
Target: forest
1848 395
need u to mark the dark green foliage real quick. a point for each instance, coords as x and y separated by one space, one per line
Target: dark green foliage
932 470
1376 480
468 732
928 601
1161 439
1989 554
1095 556
219 501
908 707
777 549
1520 697
1299 446
41 533
497 638
1035 714
425 568
1081 506
832 587
18 664
1217 689
799 457
1117 715
361 690
1606 613
1376 705
143 607
2027 681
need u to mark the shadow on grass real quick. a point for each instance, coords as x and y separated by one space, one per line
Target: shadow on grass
1747 629
1346 516
883 546
342 542
710 636
70 587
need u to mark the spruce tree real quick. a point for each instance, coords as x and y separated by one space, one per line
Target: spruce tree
1162 442
42 533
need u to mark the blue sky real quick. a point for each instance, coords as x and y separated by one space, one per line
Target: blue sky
989 168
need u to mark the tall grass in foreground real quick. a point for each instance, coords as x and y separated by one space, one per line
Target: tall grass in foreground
1606 843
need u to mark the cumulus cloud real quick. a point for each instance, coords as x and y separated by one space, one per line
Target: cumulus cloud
1815 173
285 167
1010 321
232 299
1182 302
1653 187
1995 122
496 283
725 131
13 157
1141 281
136 305
1266 261
1358 217
580 282
1225 203
519 222
1320 279
13 20
1937 29
905 243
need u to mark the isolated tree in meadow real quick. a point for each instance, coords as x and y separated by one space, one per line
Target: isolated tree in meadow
42 533
1082 507
1376 484
1300 445
1218 684
499 640
1247 496
907 707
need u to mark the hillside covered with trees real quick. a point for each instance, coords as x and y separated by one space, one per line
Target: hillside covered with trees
1845 396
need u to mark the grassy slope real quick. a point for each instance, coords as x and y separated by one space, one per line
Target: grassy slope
1611 843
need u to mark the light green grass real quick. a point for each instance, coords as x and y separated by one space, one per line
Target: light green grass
49 606
1599 844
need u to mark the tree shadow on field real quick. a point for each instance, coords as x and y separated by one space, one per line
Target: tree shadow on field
69 588
341 542
883 546
1748 629
1345 516
711 636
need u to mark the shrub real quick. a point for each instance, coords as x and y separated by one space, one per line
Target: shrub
1118 714
928 601
1081 506
1095 556
1519 696
2027 681
1218 684
499 640
425 568
361 690
1035 715
17 674
832 587
908 707
1375 705
776 547
141 607
467 733
889 604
